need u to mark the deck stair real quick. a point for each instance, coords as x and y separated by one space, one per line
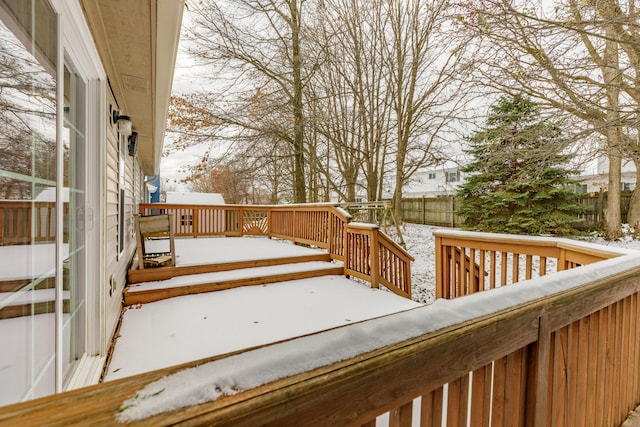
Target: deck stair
19 298
151 285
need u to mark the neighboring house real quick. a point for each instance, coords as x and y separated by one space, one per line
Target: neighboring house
441 182
599 181
444 182
85 94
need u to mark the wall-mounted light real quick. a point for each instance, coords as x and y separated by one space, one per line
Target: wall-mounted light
123 123
133 144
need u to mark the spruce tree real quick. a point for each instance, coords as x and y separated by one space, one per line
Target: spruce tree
519 178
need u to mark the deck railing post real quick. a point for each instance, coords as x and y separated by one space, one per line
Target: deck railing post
330 237
538 377
347 248
562 259
194 222
374 258
439 269
241 220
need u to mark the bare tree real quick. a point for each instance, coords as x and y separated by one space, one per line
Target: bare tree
256 46
27 118
569 58
351 106
425 57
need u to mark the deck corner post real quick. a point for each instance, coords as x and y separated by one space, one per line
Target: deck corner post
374 258
439 268
346 248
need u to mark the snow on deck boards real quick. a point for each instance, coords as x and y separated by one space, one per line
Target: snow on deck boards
244 273
190 251
192 327
29 261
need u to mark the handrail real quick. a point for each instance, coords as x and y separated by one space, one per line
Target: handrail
365 244
323 225
562 350
502 259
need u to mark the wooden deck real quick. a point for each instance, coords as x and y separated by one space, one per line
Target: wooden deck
219 263
308 293
561 349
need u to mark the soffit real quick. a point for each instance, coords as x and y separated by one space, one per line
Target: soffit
140 74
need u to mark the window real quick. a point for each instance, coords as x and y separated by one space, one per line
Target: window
628 186
453 176
432 175
186 220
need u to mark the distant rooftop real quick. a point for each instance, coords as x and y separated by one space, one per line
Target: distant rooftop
183 198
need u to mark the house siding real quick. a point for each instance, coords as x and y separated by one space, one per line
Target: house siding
118 262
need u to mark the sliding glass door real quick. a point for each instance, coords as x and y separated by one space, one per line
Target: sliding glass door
45 106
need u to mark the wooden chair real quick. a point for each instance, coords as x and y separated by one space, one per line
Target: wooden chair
155 226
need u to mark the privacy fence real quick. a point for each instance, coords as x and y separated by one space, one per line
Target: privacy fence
442 210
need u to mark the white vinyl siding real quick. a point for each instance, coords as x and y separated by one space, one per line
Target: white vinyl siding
117 262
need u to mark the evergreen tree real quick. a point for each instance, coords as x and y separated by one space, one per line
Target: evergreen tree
519 179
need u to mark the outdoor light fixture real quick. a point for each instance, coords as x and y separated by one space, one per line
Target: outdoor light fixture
123 123
133 144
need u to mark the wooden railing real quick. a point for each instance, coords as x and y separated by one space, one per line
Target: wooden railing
370 254
560 350
25 222
364 245
494 260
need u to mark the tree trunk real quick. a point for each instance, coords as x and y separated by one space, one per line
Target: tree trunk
612 214
633 214
613 83
397 196
299 193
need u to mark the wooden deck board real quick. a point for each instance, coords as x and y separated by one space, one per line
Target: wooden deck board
163 273
151 295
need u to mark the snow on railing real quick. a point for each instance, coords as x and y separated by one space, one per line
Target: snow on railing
470 262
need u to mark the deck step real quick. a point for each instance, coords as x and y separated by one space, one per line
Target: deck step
228 279
164 273
30 303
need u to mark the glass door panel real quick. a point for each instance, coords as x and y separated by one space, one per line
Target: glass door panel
74 274
28 150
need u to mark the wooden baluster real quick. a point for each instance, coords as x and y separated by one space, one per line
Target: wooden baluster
543 266
482 272
474 285
492 268
503 268
529 267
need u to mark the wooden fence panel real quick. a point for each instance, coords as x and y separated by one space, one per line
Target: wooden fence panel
441 211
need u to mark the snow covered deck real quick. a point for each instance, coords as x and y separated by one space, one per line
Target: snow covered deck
186 328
